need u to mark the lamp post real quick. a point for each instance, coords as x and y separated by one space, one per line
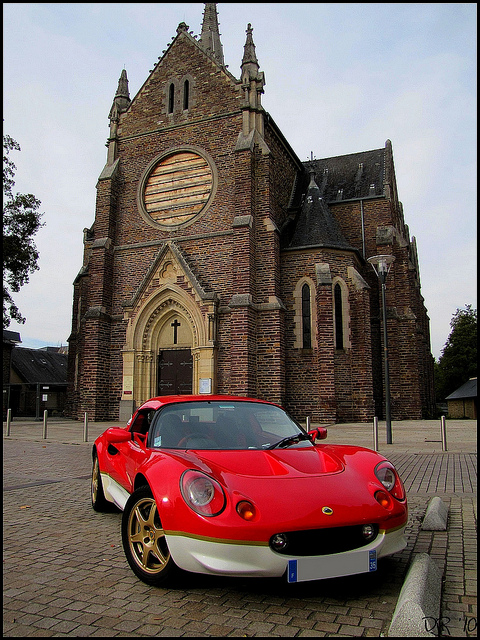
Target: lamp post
381 265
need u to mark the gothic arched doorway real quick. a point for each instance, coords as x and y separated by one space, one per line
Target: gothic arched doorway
169 348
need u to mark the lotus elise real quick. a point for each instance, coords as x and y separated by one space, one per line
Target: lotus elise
233 486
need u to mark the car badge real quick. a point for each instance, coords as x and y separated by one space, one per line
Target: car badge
328 511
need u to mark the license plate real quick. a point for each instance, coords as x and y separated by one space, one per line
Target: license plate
333 566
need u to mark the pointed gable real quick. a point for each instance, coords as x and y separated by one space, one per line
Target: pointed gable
169 270
179 88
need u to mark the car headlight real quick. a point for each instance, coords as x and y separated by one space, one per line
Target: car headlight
202 493
388 476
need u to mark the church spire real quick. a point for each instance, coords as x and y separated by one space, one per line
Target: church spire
249 56
252 82
122 97
210 36
120 104
250 67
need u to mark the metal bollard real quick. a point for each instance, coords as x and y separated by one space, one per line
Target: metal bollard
308 423
9 419
45 415
375 433
444 433
85 427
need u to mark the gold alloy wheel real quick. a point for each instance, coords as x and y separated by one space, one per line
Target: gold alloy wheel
146 538
95 480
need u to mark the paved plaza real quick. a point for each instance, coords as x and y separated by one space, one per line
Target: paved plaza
65 573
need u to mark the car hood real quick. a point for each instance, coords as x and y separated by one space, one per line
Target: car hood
293 462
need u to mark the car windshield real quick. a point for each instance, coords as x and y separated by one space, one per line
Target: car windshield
221 425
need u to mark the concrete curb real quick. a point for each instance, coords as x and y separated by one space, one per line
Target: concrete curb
436 516
418 605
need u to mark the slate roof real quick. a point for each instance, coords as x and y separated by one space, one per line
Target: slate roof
316 226
467 390
36 365
352 176
11 337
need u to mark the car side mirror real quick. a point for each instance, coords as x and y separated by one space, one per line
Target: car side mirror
114 435
320 433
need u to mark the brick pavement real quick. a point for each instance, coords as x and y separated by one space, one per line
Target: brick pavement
65 571
452 477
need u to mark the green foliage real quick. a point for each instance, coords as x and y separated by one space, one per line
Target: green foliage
21 221
458 362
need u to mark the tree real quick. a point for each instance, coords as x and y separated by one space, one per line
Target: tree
458 362
21 221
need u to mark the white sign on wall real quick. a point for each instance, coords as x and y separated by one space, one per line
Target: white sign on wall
205 385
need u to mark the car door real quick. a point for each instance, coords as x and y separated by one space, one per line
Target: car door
127 457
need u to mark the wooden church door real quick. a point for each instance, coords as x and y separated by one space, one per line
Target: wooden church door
175 372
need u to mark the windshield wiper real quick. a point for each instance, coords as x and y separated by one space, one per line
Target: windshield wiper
286 442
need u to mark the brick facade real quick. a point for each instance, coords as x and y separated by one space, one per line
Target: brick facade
228 274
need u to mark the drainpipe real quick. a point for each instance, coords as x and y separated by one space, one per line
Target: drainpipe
363 228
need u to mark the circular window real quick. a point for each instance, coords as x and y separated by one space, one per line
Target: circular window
177 187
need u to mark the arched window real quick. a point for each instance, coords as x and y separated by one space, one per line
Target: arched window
186 94
171 98
306 318
337 292
305 315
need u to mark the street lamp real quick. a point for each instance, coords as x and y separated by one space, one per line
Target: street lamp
381 265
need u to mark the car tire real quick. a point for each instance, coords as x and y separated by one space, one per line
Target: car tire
99 502
144 541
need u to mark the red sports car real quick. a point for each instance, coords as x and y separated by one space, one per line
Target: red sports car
234 486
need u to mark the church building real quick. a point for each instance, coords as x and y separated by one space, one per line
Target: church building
218 262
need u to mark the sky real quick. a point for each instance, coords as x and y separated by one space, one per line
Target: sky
340 79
